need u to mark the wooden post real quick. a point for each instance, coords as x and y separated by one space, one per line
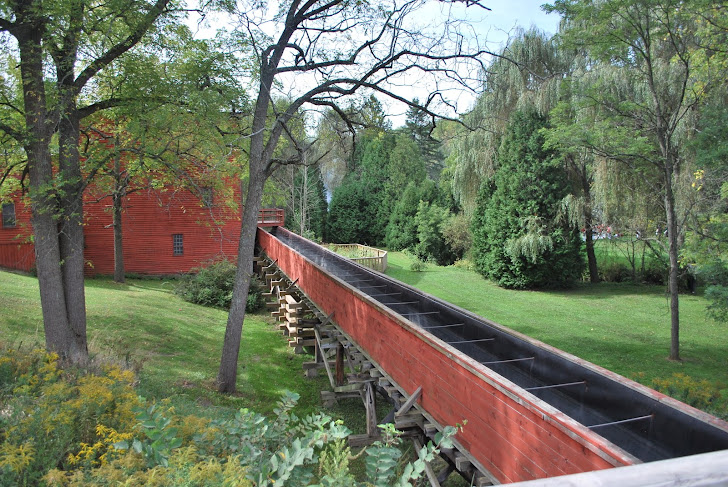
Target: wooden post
371 410
340 365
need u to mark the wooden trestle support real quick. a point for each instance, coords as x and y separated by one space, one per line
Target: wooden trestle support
352 373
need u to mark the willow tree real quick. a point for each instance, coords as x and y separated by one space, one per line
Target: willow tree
602 191
526 74
78 39
322 52
646 98
530 73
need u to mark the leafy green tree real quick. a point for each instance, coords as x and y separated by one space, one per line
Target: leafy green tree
78 39
706 243
644 50
519 239
170 130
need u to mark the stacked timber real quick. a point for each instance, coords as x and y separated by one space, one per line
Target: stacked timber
289 308
297 321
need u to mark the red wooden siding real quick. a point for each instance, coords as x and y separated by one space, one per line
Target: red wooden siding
150 219
16 250
513 434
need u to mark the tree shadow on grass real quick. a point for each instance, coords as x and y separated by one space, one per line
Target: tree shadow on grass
404 275
165 285
605 290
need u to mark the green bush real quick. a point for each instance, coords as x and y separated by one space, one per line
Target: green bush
655 272
456 232
431 245
465 264
615 272
212 285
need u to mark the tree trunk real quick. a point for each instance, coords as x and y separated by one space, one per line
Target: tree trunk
227 375
58 332
118 240
117 199
672 235
70 235
590 255
588 226
304 200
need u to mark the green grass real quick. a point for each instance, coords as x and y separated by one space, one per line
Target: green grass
175 345
622 327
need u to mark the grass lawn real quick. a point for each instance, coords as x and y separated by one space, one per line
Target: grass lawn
622 327
175 345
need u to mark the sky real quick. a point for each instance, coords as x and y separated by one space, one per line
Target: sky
505 14
492 28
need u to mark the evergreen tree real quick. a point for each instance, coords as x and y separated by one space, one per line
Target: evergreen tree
356 212
519 240
431 244
352 214
419 127
405 166
401 230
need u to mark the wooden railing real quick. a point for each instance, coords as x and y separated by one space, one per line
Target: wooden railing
362 254
271 217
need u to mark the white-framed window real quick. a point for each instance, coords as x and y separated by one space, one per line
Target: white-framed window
178 247
8 215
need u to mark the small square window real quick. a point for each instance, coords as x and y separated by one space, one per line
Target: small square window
8 215
178 247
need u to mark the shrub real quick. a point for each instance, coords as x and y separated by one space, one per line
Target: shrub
464 264
401 231
698 393
655 272
212 285
615 272
431 244
456 231
418 265
250 450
